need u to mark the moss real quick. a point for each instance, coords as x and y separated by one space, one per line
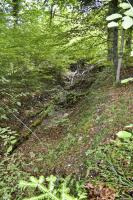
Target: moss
41 115
36 123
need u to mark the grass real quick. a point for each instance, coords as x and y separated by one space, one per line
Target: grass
94 121
112 165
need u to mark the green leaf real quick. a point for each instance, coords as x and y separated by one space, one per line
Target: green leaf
129 12
129 126
4 130
41 197
51 179
24 184
41 179
12 137
13 141
9 149
131 53
127 80
125 5
33 179
113 17
127 23
4 116
124 134
112 24
19 103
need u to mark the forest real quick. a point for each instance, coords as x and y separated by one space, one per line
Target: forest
66 99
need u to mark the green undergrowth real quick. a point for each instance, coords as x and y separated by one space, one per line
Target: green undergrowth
93 123
96 119
112 165
10 174
54 188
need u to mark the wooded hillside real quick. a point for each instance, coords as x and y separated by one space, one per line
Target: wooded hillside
66 99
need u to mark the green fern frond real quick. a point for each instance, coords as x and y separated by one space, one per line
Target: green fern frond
41 179
41 197
64 191
49 191
51 179
33 179
25 184
68 197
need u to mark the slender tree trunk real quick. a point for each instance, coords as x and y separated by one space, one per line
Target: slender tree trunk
128 44
120 57
110 34
113 36
115 48
15 6
52 13
110 46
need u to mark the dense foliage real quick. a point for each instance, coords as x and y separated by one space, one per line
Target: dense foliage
40 39
59 61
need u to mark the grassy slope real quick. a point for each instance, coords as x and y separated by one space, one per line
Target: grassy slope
102 112
94 121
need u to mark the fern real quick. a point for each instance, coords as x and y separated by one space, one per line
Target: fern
49 190
41 197
9 139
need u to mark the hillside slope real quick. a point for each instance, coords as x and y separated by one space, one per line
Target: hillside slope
71 143
103 111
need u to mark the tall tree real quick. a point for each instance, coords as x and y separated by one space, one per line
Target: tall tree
112 36
129 41
15 10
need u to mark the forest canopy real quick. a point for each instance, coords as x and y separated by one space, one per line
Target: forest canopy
47 36
38 34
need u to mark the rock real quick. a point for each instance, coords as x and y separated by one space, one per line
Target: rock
80 75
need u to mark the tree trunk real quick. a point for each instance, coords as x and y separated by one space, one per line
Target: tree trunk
113 36
15 6
110 46
128 44
120 57
115 48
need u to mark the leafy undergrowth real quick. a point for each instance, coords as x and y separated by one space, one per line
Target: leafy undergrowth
55 188
112 165
80 145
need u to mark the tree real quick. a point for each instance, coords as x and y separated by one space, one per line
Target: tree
126 23
112 36
128 44
15 10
